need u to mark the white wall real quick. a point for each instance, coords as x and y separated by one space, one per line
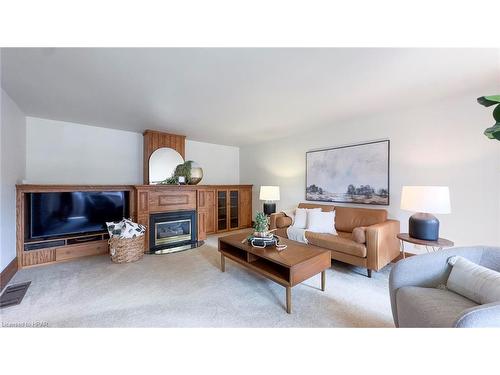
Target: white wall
436 144
221 164
12 170
70 153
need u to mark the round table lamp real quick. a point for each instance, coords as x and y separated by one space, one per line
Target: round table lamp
425 201
269 194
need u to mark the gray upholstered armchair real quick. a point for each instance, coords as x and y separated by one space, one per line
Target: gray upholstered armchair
419 300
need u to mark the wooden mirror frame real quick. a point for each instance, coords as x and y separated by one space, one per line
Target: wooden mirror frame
154 140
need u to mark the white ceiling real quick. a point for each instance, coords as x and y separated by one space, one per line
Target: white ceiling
235 96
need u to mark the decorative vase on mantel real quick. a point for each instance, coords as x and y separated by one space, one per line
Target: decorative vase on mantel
196 174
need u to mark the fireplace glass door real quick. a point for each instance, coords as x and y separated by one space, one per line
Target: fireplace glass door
169 232
234 209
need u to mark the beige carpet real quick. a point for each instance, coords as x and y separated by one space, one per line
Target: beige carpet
187 289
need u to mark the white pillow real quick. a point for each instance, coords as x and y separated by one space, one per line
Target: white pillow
321 222
475 282
301 217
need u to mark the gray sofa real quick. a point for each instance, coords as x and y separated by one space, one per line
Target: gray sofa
419 299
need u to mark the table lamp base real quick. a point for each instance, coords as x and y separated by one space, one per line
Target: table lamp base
423 227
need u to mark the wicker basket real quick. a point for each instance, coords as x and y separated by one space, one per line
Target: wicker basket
126 250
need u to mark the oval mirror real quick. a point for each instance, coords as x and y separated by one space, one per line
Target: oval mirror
162 163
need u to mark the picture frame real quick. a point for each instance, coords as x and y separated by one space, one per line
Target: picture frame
356 174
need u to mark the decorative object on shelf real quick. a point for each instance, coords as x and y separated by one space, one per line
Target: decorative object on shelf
487 101
196 174
188 172
261 226
425 201
183 170
263 242
162 164
349 174
269 194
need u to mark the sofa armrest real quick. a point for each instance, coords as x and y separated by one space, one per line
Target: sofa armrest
382 245
483 316
273 218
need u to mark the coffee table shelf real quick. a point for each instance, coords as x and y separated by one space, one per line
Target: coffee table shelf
277 273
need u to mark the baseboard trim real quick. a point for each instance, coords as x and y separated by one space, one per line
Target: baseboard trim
8 273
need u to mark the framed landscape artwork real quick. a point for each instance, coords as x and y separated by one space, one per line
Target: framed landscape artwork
349 174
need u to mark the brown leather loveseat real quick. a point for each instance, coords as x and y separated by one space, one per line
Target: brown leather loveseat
372 245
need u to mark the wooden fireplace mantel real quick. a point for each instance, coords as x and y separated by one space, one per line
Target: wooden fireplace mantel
211 203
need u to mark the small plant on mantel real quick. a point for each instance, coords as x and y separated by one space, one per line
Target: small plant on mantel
170 181
184 169
261 225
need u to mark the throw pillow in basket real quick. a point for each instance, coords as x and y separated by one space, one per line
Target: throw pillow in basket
125 229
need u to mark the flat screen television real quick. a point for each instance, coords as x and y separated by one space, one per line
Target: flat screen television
73 213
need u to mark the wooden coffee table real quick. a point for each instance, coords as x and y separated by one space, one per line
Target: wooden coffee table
289 267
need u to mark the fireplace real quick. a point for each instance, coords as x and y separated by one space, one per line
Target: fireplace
172 231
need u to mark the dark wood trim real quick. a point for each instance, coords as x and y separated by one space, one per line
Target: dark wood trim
8 273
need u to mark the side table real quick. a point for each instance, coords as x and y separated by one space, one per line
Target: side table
433 245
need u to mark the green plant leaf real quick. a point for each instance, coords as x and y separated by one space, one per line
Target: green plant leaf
493 132
261 222
496 113
488 101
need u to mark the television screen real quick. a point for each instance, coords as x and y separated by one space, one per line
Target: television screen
68 213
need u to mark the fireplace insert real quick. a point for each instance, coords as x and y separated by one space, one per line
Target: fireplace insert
172 231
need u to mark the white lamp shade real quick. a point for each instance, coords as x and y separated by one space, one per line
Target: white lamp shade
269 193
426 199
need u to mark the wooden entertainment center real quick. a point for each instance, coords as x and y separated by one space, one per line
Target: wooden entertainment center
64 248
219 208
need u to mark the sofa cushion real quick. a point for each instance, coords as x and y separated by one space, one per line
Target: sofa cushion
359 235
336 242
429 307
283 221
348 218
